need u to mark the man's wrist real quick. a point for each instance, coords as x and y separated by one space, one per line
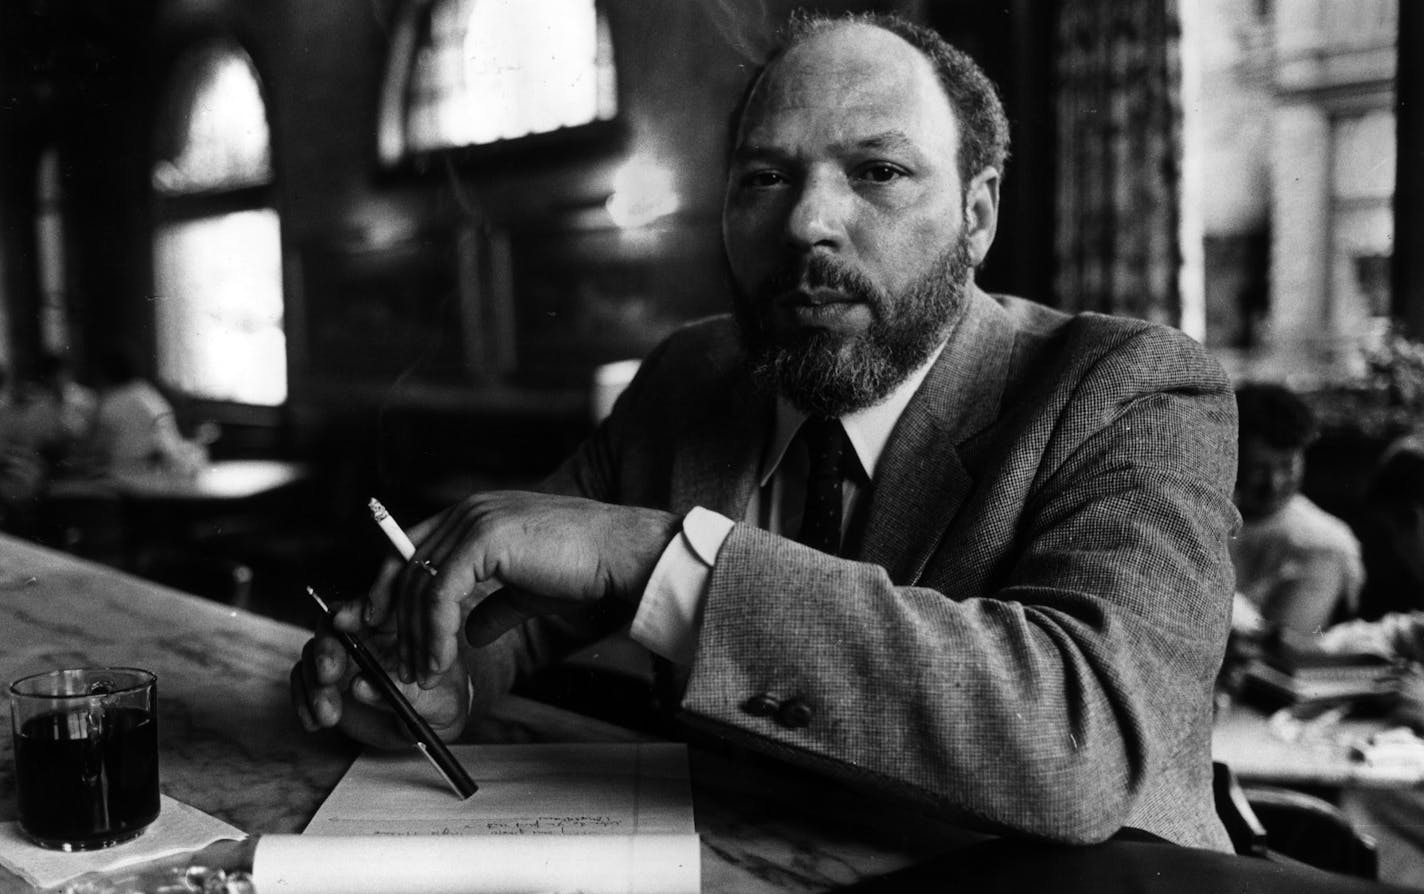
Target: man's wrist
670 613
655 530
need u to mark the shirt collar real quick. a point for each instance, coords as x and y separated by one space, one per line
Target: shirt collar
868 429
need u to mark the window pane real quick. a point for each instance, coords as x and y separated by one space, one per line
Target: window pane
219 308
500 69
221 138
1362 225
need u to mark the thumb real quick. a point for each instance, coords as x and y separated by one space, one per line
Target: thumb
502 611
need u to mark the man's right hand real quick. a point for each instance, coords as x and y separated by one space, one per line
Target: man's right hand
329 690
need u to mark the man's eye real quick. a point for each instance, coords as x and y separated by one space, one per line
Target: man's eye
880 172
762 179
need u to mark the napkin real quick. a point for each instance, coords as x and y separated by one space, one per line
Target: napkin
179 828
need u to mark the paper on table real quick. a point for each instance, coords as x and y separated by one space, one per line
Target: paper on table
178 829
549 817
609 788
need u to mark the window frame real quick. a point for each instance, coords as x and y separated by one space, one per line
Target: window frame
167 209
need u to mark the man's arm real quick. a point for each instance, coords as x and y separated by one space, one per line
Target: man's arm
1041 702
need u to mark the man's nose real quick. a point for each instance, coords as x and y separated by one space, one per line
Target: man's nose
818 219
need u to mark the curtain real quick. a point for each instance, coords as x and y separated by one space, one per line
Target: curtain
1119 123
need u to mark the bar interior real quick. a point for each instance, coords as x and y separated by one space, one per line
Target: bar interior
265 264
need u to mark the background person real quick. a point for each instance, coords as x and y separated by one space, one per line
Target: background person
22 474
134 424
1394 536
1297 566
56 412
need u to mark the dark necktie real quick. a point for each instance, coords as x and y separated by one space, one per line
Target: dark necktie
826 450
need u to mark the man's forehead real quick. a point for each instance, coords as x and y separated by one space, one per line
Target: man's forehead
857 68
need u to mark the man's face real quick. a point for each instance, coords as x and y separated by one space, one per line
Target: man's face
1266 477
845 219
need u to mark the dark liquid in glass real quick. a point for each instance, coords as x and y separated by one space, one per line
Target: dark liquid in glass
87 783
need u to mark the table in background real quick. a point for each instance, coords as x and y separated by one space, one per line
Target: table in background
230 744
1302 753
198 532
220 480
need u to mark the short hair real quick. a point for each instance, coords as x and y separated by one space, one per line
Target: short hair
983 124
1276 415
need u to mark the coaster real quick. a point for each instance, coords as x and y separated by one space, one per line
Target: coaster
178 829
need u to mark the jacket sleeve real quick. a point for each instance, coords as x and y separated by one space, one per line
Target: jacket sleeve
1043 701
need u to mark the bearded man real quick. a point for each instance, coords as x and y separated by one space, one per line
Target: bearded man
962 548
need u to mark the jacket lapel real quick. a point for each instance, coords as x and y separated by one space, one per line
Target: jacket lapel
922 480
715 466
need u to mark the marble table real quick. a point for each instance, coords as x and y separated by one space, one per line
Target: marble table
230 744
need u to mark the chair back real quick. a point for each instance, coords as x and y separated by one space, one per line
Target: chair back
1291 827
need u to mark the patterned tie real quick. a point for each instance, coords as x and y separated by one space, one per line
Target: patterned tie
826 448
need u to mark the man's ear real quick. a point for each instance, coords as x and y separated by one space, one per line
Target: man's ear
981 213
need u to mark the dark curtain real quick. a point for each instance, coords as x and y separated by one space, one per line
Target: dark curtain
1119 161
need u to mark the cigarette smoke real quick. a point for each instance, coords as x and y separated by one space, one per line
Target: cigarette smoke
745 25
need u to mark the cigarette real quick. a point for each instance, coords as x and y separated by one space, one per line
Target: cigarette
398 538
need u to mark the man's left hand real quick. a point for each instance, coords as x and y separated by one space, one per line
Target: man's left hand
550 554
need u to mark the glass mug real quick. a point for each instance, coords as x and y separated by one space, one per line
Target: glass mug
86 755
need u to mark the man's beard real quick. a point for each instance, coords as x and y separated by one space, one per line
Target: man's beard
826 373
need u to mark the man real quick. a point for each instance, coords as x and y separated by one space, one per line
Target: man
1297 566
1032 590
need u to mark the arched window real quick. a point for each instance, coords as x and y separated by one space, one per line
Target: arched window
217 253
483 71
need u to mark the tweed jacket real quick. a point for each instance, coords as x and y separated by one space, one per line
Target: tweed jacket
1035 599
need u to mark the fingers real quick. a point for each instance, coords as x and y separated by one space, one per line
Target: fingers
326 691
431 607
504 610
315 682
377 606
370 719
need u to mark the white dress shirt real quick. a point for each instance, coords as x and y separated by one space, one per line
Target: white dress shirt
668 615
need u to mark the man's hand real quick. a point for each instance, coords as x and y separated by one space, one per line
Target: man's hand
328 689
551 555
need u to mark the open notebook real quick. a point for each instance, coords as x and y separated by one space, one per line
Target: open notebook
547 817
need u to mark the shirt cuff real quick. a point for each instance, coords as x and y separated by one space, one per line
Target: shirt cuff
671 607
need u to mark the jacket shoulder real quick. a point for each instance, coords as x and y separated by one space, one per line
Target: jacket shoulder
1137 354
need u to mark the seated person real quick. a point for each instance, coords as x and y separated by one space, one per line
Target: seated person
22 474
1394 531
134 424
963 550
1297 566
56 412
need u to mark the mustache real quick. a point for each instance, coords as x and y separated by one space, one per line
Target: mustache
822 272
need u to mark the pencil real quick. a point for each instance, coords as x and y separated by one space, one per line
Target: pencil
426 740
